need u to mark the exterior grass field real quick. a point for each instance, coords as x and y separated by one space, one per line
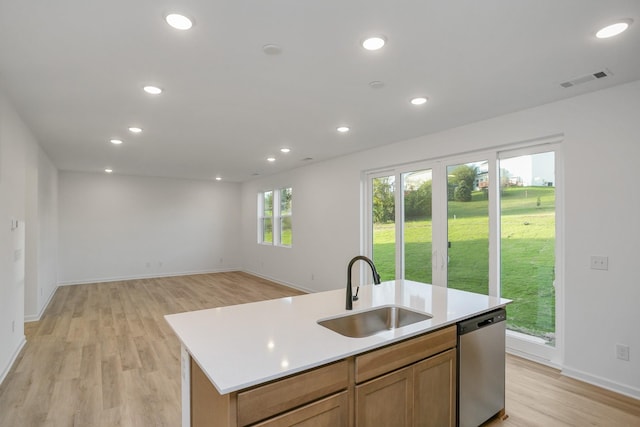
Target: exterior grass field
527 253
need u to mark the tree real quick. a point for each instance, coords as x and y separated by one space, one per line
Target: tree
383 199
465 176
463 192
465 173
417 202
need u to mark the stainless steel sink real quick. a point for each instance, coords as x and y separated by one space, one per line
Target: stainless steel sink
366 323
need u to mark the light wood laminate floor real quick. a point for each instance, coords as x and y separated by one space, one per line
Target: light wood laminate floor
102 355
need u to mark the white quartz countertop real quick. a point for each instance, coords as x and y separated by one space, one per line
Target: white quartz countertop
243 345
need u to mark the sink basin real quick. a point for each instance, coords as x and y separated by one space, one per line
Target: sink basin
366 323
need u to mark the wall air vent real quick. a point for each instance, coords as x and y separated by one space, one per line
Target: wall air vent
586 78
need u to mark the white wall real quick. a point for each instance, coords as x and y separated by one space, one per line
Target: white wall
601 151
325 222
115 227
26 177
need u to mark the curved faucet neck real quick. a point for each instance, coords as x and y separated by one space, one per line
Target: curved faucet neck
376 278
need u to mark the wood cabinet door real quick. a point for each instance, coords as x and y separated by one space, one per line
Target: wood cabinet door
434 399
331 411
386 401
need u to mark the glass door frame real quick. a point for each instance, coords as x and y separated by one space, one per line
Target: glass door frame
516 343
493 213
367 230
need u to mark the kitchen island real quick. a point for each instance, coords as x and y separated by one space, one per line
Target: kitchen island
239 350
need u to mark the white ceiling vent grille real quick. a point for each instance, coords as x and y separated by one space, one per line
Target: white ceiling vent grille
586 78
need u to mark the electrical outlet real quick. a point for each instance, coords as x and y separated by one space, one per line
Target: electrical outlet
622 352
599 263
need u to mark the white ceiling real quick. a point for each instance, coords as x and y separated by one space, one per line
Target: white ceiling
74 69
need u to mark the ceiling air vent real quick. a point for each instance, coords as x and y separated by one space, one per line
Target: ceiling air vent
586 78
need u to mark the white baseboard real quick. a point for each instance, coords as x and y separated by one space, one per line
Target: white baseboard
14 356
36 317
144 276
533 358
280 282
602 382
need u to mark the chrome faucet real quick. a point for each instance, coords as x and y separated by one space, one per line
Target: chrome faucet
376 279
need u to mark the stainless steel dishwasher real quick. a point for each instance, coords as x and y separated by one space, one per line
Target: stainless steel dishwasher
481 359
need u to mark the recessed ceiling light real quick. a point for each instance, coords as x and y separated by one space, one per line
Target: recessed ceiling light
272 49
614 29
115 141
374 43
134 129
419 100
376 84
343 129
153 90
271 159
285 150
179 22
218 178
108 170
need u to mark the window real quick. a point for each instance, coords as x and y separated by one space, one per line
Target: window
285 216
265 217
274 217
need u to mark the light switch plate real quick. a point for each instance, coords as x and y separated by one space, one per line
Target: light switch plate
622 352
599 263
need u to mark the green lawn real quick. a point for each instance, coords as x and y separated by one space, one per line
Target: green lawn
527 242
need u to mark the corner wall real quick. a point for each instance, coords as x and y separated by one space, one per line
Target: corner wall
28 276
601 151
42 235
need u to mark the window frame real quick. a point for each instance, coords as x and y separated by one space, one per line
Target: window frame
279 216
276 217
262 217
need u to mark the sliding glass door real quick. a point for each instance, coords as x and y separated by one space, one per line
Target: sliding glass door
485 223
528 242
401 224
417 225
468 227
383 219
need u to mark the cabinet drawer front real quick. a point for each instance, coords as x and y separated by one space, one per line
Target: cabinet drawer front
280 396
390 358
331 411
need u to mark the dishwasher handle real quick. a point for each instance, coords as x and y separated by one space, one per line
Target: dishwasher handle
482 321
485 323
